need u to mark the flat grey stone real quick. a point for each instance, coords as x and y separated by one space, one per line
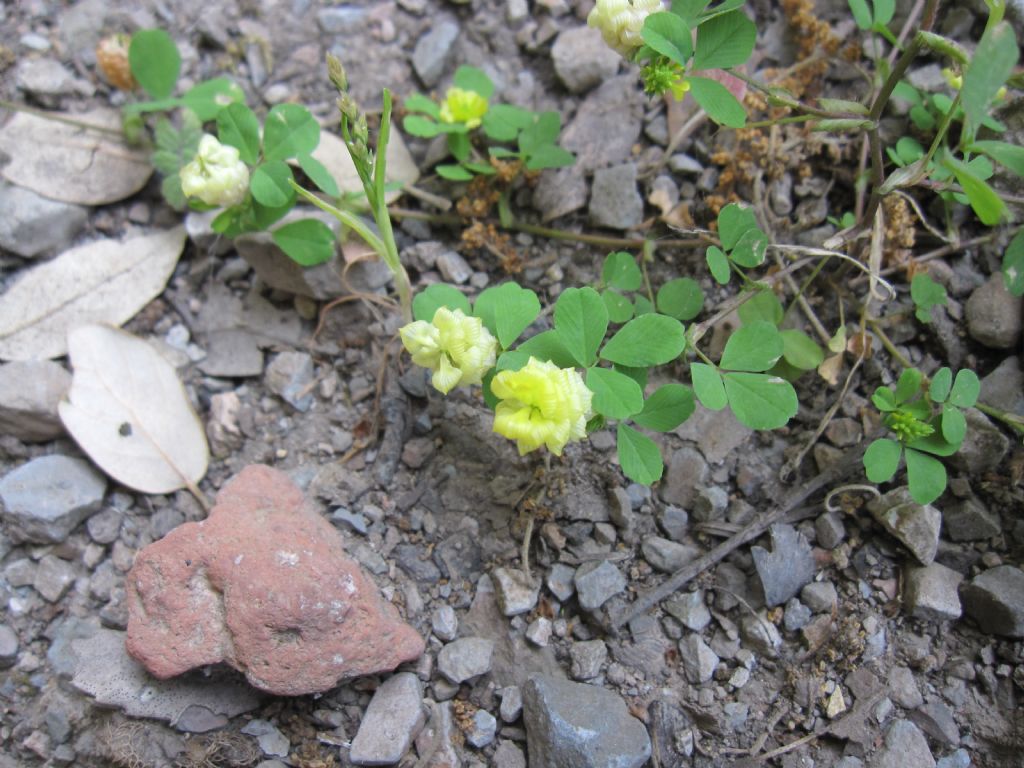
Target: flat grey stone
760 634
995 599
33 225
45 499
444 623
341 19
903 688
9 646
516 593
508 755
796 615
937 721
582 60
434 51
787 568
272 742
105 526
698 660
290 376
820 596
710 504
485 727
53 578
1004 387
830 530
615 201
587 659
673 521
931 593
539 631
560 191
993 315
465 658
232 353
687 470
905 747
718 434
572 725
560 581
391 722
29 393
607 124
511 704
667 556
916 526
454 268
959 759
596 583
984 447
690 609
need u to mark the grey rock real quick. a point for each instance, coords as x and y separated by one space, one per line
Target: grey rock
1004 387
341 19
698 660
673 521
517 593
620 509
290 376
511 704
539 631
736 714
29 393
916 526
484 729
787 568
607 124
232 353
710 504
796 615
830 530
571 725
454 268
903 688
684 164
905 747
995 599
438 736
927 78
355 521
105 526
47 79
931 593
994 315
45 499
409 559
667 556
560 191
760 634
936 720
718 434
465 659
272 742
687 470
9 646
392 720
984 447
615 201
560 581
20 572
277 270
596 582
54 578
690 610
587 659
959 759
444 623
582 60
434 51
508 755
820 596
33 225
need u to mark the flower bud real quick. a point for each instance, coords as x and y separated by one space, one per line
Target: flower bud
217 175
620 22
458 349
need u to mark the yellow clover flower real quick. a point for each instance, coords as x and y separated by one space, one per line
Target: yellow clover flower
541 404
620 22
458 349
463 106
217 175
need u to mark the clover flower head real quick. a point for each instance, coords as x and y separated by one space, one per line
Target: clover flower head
541 404
217 175
620 22
907 426
458 349
664 75
463 106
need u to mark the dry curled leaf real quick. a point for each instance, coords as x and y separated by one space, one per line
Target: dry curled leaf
129 412
106 281
72 164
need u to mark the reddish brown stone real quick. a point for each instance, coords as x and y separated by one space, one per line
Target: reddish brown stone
264 585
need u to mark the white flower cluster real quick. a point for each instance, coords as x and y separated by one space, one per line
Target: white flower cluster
217 175
620 22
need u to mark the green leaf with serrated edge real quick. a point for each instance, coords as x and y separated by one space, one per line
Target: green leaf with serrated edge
154 61
620 271
681 298
882 459
718 263
639 456
1013 265
667 407
289 130
620 309
549 156
884 400
764 306
453 173
750 250
433 297
237 126
616 396
668 34
966 389
926 476
420 103
908 385
548 346
319 175
718 101
724 41
754 347
760 401
472 79
861 13
1011 156
544 130
503 122
993 62
642 306
954 425
800 350
307 242
708 386
941 384
417 125
270 184
734 221
581 320
639 375
645 341
208 98
507 310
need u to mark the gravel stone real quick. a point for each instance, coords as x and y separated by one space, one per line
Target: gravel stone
667 556
674 522
710 504
596 582
787 568
959 759
994 315
984 447
830 530
508 755
760 634
916 526
606 125
290 376
105 526
434 51
1004 387
620 509
820 596
937 721
9 646
484 729
45 499
905 747
391 722
444 623
995 599
560 191
687 470
560 581
454 268
587 659
796 615
698 660
465 659
516 593
582 60
29 393
511 704
931 593
903 688
539 631
690 610
272 742
615 201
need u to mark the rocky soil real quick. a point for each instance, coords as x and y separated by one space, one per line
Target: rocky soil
881 634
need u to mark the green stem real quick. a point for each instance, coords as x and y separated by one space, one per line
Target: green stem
347 218
382 216
1012 420
887 343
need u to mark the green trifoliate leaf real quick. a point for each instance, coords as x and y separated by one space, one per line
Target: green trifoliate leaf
417 125
155 62
764 306
761 401
800 350
549 156
667 407
639 457
926 294
718 263
1013 265
503 122
965 390
507 310
724 41
307 242
420 103
909 385
620 309
884 400
668 34
734 221
209 97
238 127
621 271
926 476
708 386
581 321
942 383
645 341
319 175
433 297
754 347
270 184
718 101
289 130
681 298
548 346
473 79
954 425
616 396
882 459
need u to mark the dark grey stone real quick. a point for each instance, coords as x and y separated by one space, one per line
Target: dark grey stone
45 499
674 522
667 556
560 581
830 530
905 747
931 593
936 720
796 615
787 568
9 646
995 599
915 525
993 315
698 660
290 376
597 582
